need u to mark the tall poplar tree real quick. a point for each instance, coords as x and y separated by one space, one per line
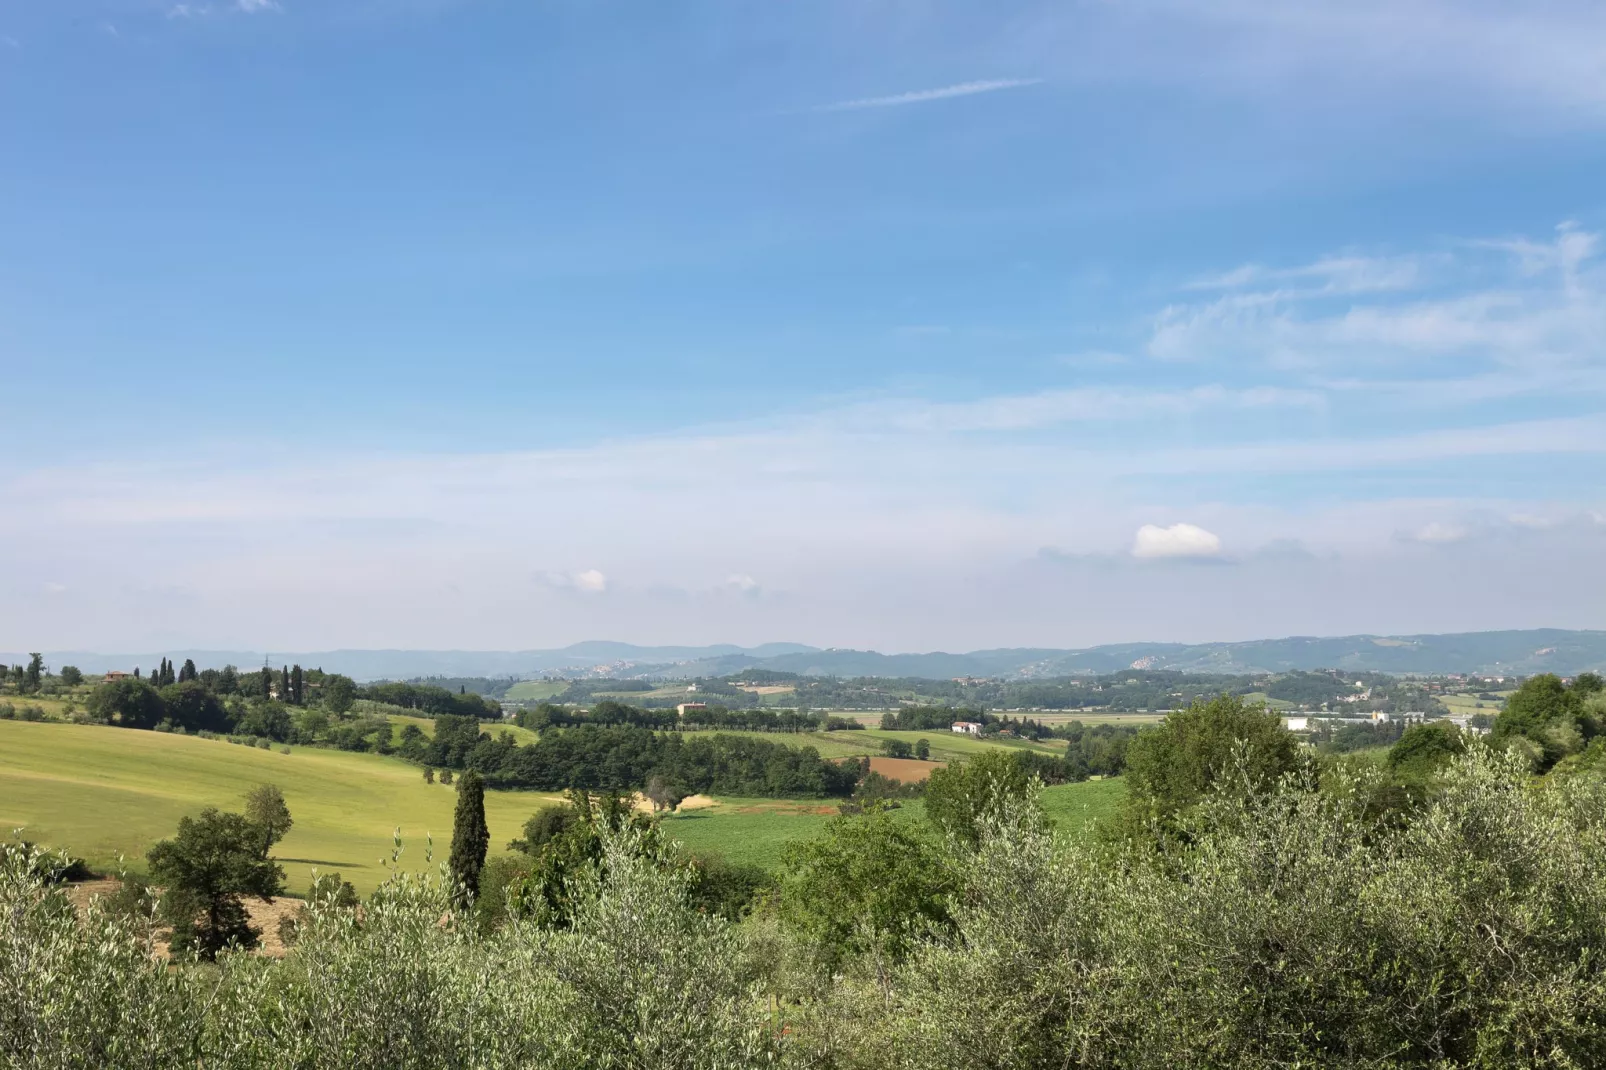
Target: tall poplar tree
298 695
471 837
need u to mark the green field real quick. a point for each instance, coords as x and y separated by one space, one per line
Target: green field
536 690
756 830
100 792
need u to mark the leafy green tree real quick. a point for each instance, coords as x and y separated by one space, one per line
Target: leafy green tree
896 748
70 675
958 796
266 809
33 675
546 824
868 883
1424 750
127 703
568 845
188 671
923 749
471 837
195 709
212 862
1546 720
338 694
1170 767
298 695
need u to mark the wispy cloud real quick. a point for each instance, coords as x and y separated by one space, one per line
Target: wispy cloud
253 7
922 96
929 504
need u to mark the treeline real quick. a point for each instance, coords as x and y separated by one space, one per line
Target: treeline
613 712
623 757
432 699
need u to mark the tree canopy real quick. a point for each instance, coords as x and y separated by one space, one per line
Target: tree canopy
1170 767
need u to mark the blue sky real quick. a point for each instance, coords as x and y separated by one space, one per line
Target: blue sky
458 323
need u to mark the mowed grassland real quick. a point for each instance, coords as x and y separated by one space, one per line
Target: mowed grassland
1470 703
756 831
536 690
100 792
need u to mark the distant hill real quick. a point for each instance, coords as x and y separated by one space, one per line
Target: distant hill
1507 653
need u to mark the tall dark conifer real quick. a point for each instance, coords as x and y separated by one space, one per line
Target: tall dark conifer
297 684
471 837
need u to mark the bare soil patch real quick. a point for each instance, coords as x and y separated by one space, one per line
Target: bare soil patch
264 915
907 770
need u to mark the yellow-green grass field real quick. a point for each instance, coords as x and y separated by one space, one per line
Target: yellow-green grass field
102 792
536 690
54 708
1469 703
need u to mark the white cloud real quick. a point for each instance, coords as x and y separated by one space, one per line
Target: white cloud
252 7
589 581
1546 308
1439 532
922 96
1178 540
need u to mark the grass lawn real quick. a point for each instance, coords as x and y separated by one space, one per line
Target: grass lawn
755 831
54 708
100 792
536 690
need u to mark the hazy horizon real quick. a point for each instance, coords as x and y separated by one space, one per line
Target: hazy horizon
452 325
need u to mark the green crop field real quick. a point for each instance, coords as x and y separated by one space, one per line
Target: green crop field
100 792
755 831
536 690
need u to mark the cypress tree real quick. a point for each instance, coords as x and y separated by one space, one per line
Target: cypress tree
298 693
188 672
284 683
471 837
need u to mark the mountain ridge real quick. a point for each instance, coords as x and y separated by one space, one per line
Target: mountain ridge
1514 652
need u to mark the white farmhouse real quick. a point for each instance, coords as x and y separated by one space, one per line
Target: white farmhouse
966 728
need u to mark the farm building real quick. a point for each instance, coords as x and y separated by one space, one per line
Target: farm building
966 728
